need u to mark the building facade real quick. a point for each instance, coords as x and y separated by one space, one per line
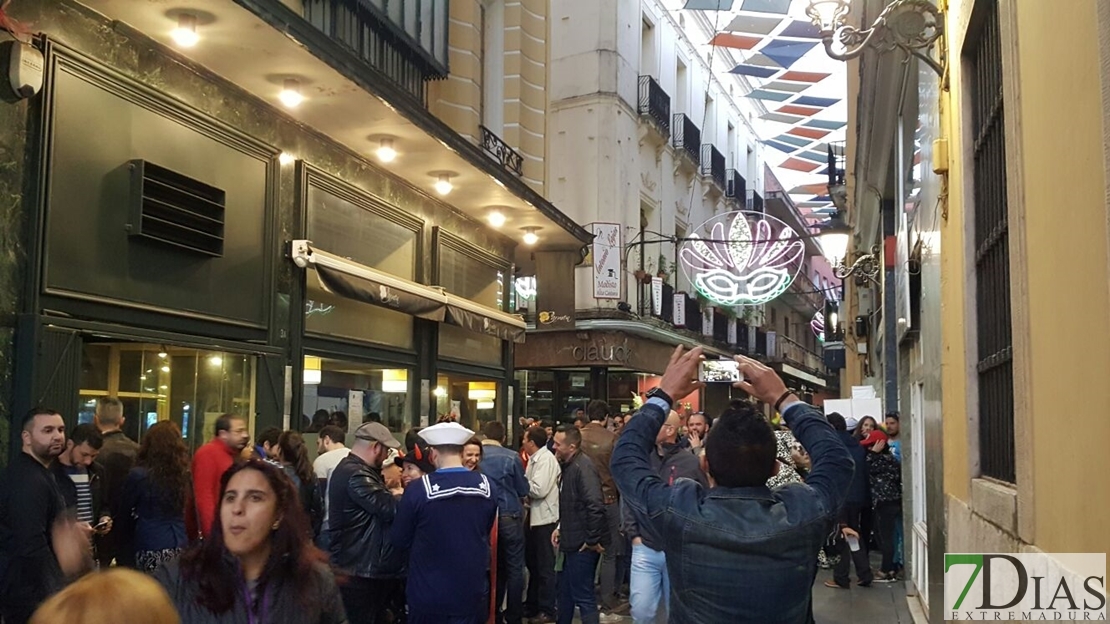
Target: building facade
271 209
648 137
992 290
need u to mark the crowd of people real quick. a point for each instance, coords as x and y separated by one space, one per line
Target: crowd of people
659 515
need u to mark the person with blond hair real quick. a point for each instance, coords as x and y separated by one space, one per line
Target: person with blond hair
119 595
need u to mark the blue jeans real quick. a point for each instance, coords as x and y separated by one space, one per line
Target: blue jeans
649 585
510 568
576 587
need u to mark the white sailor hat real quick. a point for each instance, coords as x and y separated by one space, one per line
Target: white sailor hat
448 433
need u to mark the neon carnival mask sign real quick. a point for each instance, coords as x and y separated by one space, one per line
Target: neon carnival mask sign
742 258
817 324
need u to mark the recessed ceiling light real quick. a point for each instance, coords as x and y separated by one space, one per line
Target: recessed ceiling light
185 35
530 237
386 153
443 184
290 94
496 218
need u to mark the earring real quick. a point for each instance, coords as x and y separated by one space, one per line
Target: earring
276 525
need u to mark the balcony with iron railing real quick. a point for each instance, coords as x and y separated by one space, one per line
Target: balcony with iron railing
736 187
406 41
713 164
791 352
655 104
500 151
687 138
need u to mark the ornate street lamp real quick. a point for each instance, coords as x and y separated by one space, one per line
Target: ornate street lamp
911 25
835 236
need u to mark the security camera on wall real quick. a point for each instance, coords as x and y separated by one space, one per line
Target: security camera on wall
23 67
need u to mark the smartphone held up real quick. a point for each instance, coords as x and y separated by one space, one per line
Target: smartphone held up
719 371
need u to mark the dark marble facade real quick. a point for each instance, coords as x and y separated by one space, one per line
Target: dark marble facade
124 50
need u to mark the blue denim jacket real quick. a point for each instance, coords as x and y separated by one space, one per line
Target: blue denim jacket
504 468
738 554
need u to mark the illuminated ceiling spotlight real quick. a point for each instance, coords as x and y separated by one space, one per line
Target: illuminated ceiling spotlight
290 94
443 184
285 159
385 152
496 218
530 237
185 35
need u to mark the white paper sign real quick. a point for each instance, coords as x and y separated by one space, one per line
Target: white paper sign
680 309
657 296
863 392
354 410
771 352
607 260
732 331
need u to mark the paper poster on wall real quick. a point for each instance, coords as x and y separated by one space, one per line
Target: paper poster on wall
607 260
456 410
354 410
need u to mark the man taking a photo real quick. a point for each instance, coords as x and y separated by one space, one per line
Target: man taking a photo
737 534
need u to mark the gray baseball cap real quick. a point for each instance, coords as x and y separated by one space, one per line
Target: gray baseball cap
377 432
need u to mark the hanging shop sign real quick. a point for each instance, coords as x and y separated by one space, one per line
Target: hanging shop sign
607 260
732 331
742 258
680 309
657 296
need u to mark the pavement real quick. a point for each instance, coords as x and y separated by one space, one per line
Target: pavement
882 603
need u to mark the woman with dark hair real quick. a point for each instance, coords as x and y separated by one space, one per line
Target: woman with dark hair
291 452
151 516
866 426
472 454
258 565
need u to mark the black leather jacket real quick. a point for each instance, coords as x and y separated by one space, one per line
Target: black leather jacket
581 508
69 489
360 514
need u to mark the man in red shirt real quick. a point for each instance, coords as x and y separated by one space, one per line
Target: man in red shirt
209 465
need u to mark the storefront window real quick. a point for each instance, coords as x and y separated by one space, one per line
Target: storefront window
537 392
457 343
349 230
469 401
340 392
192 387
466 276
329 315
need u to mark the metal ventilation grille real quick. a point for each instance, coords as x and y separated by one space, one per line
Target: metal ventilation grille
177 210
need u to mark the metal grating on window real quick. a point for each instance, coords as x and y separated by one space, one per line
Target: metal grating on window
992 253
176 210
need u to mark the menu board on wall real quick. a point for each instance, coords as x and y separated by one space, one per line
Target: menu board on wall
607 260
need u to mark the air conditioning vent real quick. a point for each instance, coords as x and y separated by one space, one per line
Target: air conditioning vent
174 209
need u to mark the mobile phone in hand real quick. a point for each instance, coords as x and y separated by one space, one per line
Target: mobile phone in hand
719 371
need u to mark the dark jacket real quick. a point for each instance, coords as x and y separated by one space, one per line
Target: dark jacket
581 510
743 554
672 463
30 502
117 456
885 477
361 511
147 517
69 489
597 444
312 500
279 605
504 469
858 492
